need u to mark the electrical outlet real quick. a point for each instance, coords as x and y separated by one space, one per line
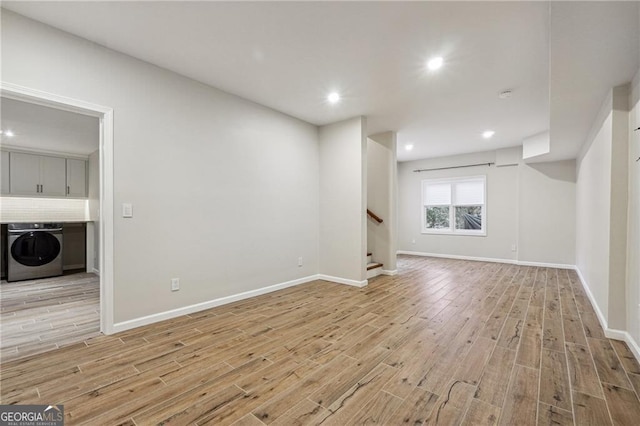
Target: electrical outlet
300 261
514 247
175 284
413 241
127 210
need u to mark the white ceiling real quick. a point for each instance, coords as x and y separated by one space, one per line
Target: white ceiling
42 128
290 55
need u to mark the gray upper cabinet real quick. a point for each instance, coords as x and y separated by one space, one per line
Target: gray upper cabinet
53 176
4 172
76 178
32 174
25 174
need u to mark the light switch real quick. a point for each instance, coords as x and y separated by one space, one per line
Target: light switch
127 210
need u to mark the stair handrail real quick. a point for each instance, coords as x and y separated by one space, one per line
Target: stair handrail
374 216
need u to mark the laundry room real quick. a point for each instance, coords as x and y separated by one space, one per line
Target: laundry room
49 211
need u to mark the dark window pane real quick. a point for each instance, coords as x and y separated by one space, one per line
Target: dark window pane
438 217
469 217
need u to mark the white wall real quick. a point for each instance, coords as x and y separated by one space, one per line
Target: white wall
224 191
546 212
343 200
601 210
536 145
381 198
531 206
633 218
593 194
502 201
618 208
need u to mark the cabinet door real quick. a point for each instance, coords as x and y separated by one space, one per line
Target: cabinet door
4 173
53 176
24 174
76 178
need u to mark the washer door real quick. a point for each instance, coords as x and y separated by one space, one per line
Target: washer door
35 248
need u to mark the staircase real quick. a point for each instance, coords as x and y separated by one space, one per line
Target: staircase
373 268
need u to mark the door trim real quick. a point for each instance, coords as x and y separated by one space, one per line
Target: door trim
105 114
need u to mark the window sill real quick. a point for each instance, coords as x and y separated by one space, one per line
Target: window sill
461 234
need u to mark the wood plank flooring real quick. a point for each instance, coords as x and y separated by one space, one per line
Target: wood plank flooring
443 342
38 316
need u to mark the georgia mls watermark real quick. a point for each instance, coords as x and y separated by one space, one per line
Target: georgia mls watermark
31 415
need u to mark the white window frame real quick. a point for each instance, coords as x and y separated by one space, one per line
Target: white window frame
452 230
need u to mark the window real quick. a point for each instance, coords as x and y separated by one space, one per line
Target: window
454 206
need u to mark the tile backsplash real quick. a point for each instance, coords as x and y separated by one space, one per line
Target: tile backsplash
23 209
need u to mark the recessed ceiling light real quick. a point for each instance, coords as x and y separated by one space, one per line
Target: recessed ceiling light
505 95
333 97
408 147
8 133
435 63
487 134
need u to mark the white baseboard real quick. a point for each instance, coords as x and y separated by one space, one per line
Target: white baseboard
614 334
390 272
625 337
95 271
161 316
633 345
545 264
489 259
610 333
601 318
346 281
455 256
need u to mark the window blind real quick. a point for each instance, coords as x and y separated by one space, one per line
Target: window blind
469 193
437 194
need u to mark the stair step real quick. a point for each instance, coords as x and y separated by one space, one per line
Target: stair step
374 265
369 254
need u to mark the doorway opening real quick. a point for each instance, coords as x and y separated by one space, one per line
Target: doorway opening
98 226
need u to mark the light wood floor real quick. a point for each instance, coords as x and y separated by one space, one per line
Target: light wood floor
443 342
41 315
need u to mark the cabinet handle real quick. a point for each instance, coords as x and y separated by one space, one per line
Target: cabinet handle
68 191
